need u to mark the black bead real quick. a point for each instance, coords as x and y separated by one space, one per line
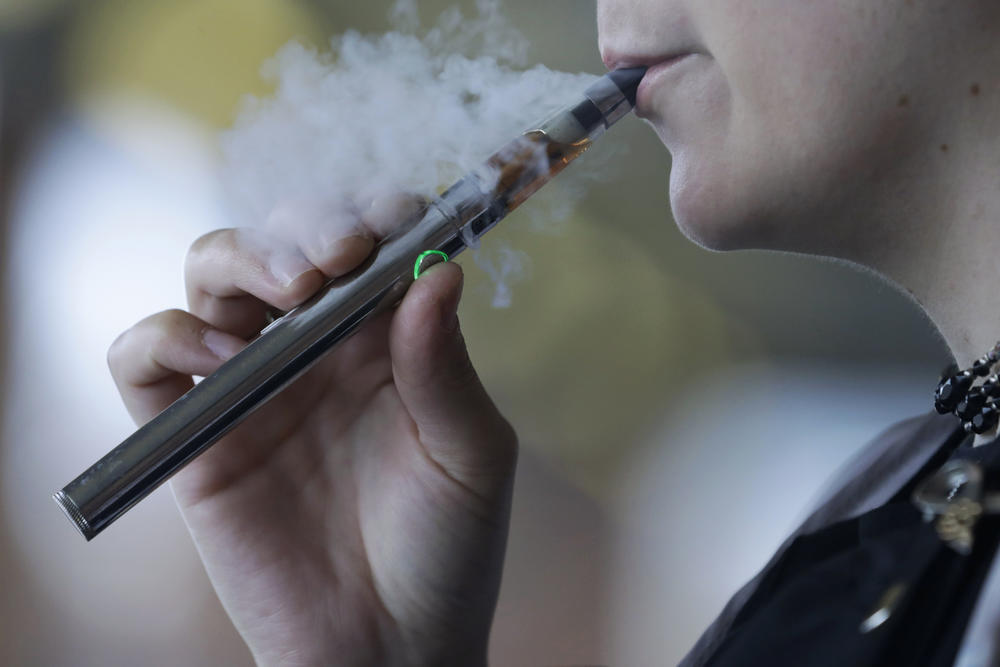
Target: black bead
985 420
982 365
951 391
970 406
991 387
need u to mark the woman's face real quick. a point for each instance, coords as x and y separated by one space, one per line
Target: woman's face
791 121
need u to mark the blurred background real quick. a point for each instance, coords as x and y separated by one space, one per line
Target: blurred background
678 409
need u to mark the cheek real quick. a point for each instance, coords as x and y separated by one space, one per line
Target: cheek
808 112
797 84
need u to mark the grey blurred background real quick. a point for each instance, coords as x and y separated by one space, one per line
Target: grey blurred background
678 409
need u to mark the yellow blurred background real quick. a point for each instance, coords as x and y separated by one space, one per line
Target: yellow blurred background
678 409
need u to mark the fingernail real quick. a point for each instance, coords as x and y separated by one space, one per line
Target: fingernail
339 254
288 267
388 211
221 344
334 243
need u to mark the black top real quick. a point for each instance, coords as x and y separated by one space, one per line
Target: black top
808 607
627 79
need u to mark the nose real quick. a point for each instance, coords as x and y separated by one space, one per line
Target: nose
603 15
612 17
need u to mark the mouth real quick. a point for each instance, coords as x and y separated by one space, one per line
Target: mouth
654 75
658 66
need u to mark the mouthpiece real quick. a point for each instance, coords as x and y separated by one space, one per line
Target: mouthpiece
627 80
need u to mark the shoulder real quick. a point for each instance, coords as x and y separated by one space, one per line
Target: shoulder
868 479
879 469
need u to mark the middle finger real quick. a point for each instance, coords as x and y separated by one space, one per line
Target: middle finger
234 275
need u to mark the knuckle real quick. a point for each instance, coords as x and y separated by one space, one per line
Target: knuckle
463 373
169 320
207 248
145 338
168 326
506 445
508 433
118 352
208 242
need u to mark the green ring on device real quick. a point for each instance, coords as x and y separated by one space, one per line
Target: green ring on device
420 260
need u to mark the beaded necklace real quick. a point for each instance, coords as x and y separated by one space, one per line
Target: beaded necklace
977 405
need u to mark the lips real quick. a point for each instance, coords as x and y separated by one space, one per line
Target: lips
655 75
658 65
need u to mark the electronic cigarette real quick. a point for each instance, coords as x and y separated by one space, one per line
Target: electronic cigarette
291 344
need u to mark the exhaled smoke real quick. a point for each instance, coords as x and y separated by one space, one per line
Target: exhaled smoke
385 114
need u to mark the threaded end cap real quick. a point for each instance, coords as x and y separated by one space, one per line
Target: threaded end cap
74 514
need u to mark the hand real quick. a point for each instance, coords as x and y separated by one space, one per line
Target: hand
360 517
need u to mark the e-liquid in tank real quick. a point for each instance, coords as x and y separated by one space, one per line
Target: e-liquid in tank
290 345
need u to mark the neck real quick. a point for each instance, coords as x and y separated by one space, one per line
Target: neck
949 257
953 272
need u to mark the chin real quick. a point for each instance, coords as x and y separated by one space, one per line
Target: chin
706 211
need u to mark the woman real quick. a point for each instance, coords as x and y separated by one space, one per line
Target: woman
360 518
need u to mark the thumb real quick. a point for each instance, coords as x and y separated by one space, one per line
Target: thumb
458 423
